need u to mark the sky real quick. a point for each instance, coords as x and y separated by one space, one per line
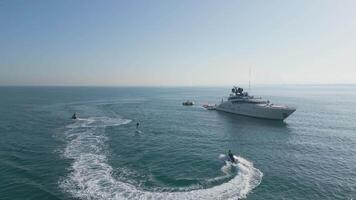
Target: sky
177 43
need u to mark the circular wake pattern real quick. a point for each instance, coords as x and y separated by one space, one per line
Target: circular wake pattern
91 176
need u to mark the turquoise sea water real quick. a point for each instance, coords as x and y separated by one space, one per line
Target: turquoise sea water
176 154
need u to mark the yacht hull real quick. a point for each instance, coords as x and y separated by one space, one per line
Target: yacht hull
264 111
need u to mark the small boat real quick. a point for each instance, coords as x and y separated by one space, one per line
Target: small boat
188 103
209 106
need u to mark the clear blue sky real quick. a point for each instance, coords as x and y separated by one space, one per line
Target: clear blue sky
164 43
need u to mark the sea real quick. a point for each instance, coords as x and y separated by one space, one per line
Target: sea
178 152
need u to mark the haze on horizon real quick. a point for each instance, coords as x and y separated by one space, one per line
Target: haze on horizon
167 43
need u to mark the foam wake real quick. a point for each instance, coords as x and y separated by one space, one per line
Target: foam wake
91 176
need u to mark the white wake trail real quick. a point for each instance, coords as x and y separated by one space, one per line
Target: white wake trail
91 176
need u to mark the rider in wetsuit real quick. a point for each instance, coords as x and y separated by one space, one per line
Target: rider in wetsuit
231 156
74 116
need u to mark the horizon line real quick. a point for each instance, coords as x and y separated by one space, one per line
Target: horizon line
156 86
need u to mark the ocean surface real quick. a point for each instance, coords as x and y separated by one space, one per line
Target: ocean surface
178 151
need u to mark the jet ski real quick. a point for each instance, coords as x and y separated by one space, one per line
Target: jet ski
228 157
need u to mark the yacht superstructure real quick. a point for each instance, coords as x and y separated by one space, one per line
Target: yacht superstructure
242 103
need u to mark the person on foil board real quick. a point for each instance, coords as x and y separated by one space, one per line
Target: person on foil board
74 116
231 157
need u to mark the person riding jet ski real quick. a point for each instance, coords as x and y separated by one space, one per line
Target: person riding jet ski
231 157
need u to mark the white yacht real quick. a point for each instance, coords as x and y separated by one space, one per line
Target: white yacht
241 103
